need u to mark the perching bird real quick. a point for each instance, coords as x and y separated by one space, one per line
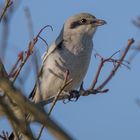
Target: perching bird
71 51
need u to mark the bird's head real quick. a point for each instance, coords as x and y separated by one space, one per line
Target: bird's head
82 24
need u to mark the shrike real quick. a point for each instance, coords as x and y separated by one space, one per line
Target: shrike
70 51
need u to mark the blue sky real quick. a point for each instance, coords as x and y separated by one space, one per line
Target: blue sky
114 115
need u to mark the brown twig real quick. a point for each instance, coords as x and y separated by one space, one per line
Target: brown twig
65 84
100 67
18 124
116 63
20 58
114 70
34 110
29 51
7 5
31 35
97 74
7 106
101 64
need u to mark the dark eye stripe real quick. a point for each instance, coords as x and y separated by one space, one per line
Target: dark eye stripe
78 23
75 24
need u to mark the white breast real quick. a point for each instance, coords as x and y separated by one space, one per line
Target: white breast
56 65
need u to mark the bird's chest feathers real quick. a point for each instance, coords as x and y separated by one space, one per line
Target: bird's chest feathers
79 45
76 54
72 56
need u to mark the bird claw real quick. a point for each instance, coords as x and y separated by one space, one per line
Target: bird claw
74 94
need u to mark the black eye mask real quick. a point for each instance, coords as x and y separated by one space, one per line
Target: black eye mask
75 24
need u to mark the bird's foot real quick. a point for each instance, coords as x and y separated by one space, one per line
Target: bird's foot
74 95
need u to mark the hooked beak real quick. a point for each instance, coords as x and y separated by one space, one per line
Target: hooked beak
98 22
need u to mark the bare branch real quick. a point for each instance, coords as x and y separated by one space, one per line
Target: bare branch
28 53
65 84
43 40
114 70
20 58
17 124
7 5
34 110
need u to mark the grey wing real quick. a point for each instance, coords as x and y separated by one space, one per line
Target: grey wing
51 49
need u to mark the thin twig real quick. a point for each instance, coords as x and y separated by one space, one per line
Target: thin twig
100 67
29 52
7 5
66 83
20 58
114 70
43 40
97 74
31 35
34 110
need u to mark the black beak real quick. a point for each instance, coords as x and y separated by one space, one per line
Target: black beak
98 22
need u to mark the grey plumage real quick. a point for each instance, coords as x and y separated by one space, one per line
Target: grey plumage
71 51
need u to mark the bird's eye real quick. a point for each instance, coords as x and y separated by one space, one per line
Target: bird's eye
82 21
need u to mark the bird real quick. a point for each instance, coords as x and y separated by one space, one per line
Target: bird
71 51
